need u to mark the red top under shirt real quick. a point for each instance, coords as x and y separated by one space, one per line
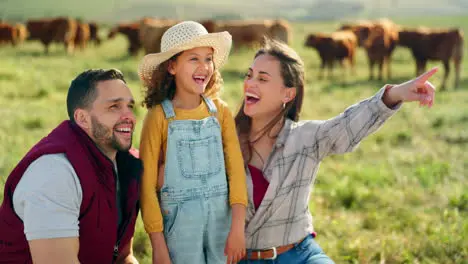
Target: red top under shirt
260 185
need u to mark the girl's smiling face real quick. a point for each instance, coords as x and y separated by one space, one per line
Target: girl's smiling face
193 70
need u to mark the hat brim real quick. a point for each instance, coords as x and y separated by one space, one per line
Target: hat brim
220 42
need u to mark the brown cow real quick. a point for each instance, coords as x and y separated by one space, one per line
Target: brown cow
338 45
61 29
210 25
379 46
131 32
94 35
22 32
151 32
281 30
361 29
252 32
82 35
435 44
8 34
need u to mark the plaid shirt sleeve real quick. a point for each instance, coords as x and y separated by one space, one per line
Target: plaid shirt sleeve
344 132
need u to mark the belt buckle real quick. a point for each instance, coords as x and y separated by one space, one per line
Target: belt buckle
275 254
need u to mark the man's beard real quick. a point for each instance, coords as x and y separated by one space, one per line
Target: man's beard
106 137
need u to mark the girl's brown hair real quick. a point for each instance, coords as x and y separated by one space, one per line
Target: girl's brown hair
162 85
292 73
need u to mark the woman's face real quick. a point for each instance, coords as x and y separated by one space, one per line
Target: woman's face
264 90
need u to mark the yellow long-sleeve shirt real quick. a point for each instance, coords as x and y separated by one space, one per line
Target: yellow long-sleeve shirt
153 144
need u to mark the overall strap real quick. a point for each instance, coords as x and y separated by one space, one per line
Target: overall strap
168 109
211 106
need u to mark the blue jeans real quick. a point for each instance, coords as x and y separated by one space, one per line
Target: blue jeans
306 252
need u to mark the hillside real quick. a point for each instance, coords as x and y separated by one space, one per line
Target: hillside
111 11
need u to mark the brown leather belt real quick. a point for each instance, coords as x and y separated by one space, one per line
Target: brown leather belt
270 253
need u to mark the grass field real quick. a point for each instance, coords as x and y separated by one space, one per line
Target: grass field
400 198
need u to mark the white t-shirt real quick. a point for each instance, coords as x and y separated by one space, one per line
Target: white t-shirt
48 198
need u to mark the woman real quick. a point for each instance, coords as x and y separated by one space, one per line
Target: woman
282 155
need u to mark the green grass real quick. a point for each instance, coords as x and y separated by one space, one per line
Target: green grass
401 197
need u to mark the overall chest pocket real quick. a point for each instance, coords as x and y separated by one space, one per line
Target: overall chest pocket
199 158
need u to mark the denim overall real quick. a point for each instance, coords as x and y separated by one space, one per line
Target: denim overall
194 197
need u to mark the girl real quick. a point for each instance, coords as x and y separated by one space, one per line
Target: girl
282 155
185 209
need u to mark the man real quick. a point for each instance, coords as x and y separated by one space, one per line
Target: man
74 197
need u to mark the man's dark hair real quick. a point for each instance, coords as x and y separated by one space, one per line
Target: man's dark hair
82 91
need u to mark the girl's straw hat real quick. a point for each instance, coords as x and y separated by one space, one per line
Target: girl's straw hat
184 36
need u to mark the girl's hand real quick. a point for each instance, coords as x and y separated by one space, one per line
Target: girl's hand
235 246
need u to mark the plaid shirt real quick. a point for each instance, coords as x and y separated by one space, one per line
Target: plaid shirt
283 216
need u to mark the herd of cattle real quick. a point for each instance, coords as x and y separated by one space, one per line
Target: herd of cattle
378 38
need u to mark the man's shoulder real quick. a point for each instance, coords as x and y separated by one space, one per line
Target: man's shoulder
51 169
51 161
49 196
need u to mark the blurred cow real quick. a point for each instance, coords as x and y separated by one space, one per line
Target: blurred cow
22 32
361 28
209 24
61 30
435 44
379 38
82 35
379 46
337 46
151 31
94 33
252 32
131 32
8 34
